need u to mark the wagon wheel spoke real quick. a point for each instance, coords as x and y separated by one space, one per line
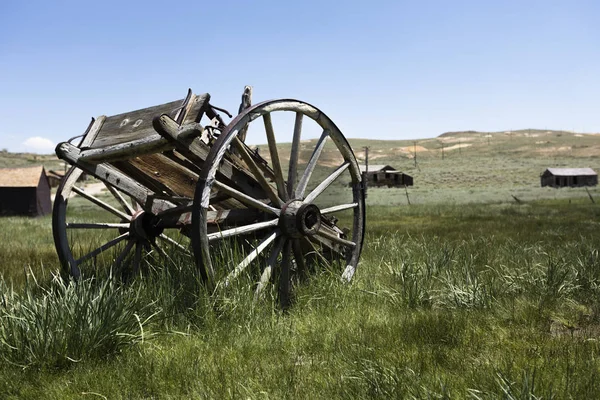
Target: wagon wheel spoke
284 275
271 262
293 168
96 225
281 188
236 194
340 207
102 248
241 230
312 163
101 204
315 252
137 257
159 250
134 203
326 183
336 239
173 242
121 257
124 203
299 256
252 256
257 172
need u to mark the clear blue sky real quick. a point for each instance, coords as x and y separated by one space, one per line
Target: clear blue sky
379 69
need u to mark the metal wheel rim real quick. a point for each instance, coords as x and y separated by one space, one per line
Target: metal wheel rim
200 241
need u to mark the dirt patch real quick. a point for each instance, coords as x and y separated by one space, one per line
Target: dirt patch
458 146
458 139
94 188
91 188
411 149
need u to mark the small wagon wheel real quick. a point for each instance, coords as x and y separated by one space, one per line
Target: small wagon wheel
298 212
107 229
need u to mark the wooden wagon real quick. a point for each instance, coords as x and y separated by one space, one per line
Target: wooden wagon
181 182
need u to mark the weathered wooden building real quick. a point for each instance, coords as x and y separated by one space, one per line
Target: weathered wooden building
24 191
569 177
385 175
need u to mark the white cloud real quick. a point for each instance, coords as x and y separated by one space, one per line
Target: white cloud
39 144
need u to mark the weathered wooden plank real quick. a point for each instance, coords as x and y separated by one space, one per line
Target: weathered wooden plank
153 185
153 143
92 132
179 180
197 151
112 176
131 138
246 103
132 125
196 108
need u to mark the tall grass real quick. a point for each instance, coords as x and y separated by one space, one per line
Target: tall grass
67 322
484 302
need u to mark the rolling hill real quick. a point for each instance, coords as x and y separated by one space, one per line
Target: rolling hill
461 167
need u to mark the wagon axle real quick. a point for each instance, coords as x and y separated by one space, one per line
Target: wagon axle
143 226
298 219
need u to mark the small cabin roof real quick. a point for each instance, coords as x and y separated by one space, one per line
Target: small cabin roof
571 171
376 167
21 177
57 174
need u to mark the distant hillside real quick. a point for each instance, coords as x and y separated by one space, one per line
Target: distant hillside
534 143
461 167
519 132
17 160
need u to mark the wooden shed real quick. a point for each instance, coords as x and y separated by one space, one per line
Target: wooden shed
569 177
385 175
24 191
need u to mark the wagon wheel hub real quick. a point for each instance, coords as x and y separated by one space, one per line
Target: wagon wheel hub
298 219
143 226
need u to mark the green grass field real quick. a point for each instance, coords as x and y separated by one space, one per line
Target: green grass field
463 294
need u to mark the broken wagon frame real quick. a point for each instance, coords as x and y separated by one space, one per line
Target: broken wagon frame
178 167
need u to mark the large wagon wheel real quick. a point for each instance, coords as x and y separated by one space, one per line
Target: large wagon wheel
301 206
108 230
